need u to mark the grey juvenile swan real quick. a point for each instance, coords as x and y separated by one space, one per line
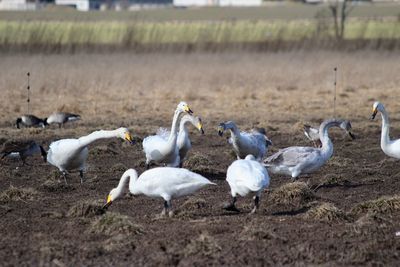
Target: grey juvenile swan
298 160
313 133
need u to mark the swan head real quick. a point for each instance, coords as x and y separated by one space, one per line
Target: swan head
250 157
184 107
125 134
221 128
111 197
346 125
199 124
375 108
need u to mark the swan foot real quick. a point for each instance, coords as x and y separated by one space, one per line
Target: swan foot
170 213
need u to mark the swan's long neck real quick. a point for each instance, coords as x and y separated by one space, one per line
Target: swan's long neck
102 134
174 128
385 139
327 146
235 133
129 174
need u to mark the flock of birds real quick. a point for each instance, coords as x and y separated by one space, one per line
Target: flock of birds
247 174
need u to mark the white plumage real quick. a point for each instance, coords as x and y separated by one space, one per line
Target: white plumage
246 143
389 147
245 176
71 154
160 149
160 182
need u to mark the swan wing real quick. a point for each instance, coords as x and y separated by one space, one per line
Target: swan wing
292 156
248 174
163 133
152 143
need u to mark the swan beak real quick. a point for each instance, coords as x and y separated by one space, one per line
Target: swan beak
352 135
373 114
220 131
128 138
200 127
109 202
188 110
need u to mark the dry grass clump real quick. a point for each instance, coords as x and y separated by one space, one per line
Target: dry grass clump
114 223
326 212
292 194
341 162
118 167
204 245
18 194
117 243
52 185
331 180
86 209
382 205
197 162
258 232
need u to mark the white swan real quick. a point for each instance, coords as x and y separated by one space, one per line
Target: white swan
61 117
71 154
163 182
297 160
245 176
389 147
160 150
253 143
313 134
183 141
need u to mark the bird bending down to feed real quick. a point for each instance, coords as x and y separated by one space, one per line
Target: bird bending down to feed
71 154
245 176
62 117
313 134
161 150
22 149
30 121
163 182
298 160
389 147
246 143
183 141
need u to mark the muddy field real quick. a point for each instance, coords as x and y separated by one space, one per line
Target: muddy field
345 214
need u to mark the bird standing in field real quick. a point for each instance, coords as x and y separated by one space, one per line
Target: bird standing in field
22 149
162 182
389 147
297 160
245 176
161 150
62 117
246 143
71 154
183 142
29 120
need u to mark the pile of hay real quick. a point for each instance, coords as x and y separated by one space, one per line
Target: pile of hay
87 209
190 206
382 205
292 194
18 194
204 245
197 162
326 212
114 223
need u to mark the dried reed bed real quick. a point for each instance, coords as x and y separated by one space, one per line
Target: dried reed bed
250 88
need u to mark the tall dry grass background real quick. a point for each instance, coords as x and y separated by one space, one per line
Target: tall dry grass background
251 88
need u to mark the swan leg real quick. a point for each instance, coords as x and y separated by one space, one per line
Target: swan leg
166 207
81 175
256 204
231 206
65 177
171 212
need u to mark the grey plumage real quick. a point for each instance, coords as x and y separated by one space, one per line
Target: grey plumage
22 149
62 117
29 120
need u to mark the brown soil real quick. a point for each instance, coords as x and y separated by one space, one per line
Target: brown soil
47 223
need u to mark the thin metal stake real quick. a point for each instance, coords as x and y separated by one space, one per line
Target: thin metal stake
29 96
334 97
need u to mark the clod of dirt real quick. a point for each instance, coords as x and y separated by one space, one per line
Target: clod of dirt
258 232
198 163
86 209
292 194
119 167
191 205
204 245
56 186
382 205
114 223
18 194
118 242
326 212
